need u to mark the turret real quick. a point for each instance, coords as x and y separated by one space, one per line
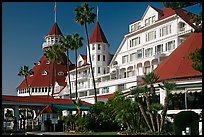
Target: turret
99 51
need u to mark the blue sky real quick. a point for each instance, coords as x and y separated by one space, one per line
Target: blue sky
24 25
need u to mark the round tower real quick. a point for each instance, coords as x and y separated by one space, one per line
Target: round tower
99 51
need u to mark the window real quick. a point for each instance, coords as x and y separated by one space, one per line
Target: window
80 63
159 49
149 52
132 28
139 53
132 56
44 72
105 90
170 45
147 21
48 62
134 42
60 73
93 47
104 70
153 19
99 46
125 59
93 57
98 57
151 35
58 62
165 30
99 70
104 58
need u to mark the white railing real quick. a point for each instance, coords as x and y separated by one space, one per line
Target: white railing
184 32
117 81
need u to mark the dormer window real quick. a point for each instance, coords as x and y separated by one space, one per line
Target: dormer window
147 21
153 19
38 62
48 62
44 72
60 73
80 63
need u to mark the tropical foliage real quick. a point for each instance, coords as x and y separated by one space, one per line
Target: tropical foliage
25 71
54 54
84 16
76 44
196 57
66 42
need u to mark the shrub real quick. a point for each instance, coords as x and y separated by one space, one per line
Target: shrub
186 119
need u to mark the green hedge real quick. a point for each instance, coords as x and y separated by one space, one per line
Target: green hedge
186 119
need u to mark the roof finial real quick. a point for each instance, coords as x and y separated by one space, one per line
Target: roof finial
97 14
55 12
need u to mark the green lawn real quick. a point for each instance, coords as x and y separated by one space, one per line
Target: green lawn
95 133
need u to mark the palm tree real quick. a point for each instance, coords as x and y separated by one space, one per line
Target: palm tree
169 86
78 104
24 71
137 92
149 80
67 42
85 15
76 44
54 54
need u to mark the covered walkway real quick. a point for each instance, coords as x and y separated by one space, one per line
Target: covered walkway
36 103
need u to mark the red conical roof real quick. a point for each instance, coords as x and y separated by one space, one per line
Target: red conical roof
178 64
55 30
97 35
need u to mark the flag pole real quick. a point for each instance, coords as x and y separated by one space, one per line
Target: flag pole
55 12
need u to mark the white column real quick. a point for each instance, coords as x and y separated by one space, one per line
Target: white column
162 96
16 114
200 127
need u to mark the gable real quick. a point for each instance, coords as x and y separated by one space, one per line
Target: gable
148 14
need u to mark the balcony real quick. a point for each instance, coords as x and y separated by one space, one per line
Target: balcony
47 44
183 31
116 81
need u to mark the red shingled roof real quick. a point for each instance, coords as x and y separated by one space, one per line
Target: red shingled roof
97 35
85 64
84 57
40 99
106 96
47 109
55 30
39 80
167 12
178 64
180 12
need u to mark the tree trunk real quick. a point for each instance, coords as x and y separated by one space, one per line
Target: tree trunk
27 85
150 114
87 38
49 79
70 89
157 118
76 74
164 112
144 114
54 77
152 121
